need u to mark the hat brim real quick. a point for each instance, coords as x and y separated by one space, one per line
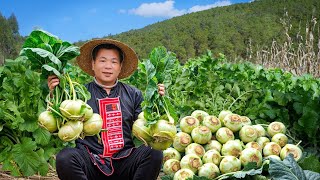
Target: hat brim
129 63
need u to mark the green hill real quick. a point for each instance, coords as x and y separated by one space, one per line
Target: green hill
229 30
223 29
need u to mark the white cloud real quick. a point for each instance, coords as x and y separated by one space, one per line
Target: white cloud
165 9
209 6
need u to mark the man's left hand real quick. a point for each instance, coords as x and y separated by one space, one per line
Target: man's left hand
161 89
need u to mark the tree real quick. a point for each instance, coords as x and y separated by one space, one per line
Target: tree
13 24
10 39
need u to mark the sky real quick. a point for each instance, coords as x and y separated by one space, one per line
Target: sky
75 20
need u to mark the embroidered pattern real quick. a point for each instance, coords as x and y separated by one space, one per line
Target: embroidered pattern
110 112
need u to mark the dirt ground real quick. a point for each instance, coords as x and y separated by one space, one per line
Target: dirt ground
4 175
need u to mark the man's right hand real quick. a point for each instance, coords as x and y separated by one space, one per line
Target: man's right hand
53 81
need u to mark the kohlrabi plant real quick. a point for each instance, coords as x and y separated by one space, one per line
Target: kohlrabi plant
209 170
196 149
212 156
49 55
212 122
276 127
188 123
181 141
213 144
171 153
199 114
224 134
291 149
191 161
201 135
251 155
229 164
171 166
183 173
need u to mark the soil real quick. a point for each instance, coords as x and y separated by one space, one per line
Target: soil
5 175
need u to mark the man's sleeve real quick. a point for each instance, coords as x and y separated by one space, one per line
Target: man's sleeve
137 105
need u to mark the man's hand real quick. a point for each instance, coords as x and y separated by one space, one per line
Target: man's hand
161 89
53 81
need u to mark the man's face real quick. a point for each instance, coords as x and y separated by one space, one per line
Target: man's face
107 66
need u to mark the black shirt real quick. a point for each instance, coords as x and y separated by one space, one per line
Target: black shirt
130 102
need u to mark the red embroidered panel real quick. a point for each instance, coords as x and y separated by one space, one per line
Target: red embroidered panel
110 112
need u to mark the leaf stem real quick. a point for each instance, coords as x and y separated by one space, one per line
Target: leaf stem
52 109
74 95
82 91
165 107
239 98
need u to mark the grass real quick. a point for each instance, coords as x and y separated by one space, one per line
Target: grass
298 55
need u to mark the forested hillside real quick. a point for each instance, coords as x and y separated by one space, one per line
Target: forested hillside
238 30
10 39
227 30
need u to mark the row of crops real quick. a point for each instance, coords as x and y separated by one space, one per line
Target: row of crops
205 83
209 83
264 96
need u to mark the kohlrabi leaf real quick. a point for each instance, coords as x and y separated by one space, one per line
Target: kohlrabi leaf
42 136
66 51
49 68
42 48
37 38
289 169
167 177
311 163
40 57
311 175
290 162
43 166
26 157
195 177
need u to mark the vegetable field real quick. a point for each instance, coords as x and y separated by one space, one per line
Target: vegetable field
209 84
205 83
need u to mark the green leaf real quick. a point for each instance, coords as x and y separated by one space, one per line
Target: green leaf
195 177
235 91
298 107
150 70
311 175
51 69
43 166
157 54
250 166
5 145
151 89
280 98
39 37
288 169
66 51
167 177
40 57
309 120
30 124
294 167
171 109
268 95
311 163
26 157
11 166
42 136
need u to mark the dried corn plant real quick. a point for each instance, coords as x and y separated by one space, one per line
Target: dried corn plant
298 56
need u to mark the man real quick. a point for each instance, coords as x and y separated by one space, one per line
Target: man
114 157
